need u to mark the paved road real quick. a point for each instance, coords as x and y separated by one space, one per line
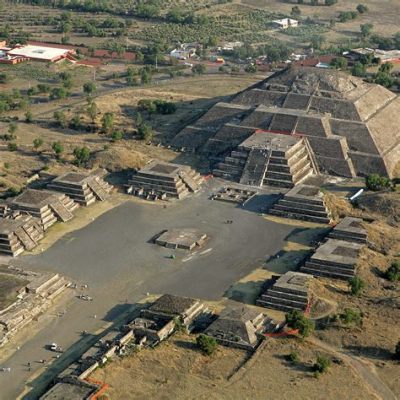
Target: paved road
114 256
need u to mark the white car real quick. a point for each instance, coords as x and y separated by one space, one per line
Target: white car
55 347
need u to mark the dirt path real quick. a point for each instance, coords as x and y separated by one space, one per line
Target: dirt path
363 368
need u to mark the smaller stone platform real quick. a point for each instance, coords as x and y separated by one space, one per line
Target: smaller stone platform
290 292
334 259
234 195
85 189
18 235
181 238
350 229
163 180
303 202
48 206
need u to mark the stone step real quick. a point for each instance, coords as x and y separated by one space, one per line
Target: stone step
274 306
61 211
189 181
296 210
25 239
348 237
285 301
286 295
98 190
278 183
326 273
297 205
302 217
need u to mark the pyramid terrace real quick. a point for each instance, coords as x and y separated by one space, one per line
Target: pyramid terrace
48 206
164 180
85 189
269 159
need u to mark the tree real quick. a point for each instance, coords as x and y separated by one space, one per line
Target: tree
3 77
251 68
359 69
12 128
206 344
366 29
383 79
351 316
82 155
322 364
376 182
58 93
316 42
293 357
107 122
297 320
393 272
37 143
12 146
361 8
28 117
339 63
296 12
145 76
60 118
199 69
357 285
145 132
89 88
116 135
76 122
386 68
58 149
92 111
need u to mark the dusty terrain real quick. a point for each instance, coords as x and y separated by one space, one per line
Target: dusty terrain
176 369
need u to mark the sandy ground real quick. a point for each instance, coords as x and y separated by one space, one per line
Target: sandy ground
176 369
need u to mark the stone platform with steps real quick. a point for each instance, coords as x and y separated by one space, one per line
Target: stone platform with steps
18 235
303 202
164 180
48 206
290 292
269 159
84 189
350 229
334 259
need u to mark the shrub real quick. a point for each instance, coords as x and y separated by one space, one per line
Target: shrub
116 135
89 88
293 357
206 344
339 63
58 148
145 132
393 272
37 143
351 316
107 122
361 8
199 69
357 285
322 364
12 146
82 155
376 182
297 320
60 118
28 116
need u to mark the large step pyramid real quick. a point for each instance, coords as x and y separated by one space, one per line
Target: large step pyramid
85 189
160 179
303 202
18 235
269 159
48 206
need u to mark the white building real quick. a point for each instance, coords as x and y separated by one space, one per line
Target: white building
285 23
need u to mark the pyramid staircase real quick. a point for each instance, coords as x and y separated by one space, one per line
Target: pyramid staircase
255 168
268 166
99 188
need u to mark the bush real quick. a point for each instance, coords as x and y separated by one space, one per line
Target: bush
351 316
116 135
199 69
357 285
376 182
297 320
28 116
58 148
361 8
322 364
206 344
37 143
12 146
393 272
293 357
145 132
82 155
